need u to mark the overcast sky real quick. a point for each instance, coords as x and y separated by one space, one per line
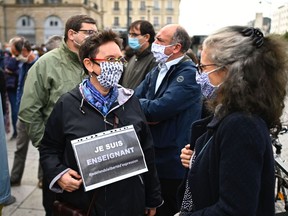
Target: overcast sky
202 17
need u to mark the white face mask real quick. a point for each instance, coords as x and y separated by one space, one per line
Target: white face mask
158 52
79 44
22 58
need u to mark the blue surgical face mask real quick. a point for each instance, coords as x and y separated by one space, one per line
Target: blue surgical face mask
207 89
134 43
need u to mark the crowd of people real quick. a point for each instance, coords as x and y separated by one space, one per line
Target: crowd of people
201 123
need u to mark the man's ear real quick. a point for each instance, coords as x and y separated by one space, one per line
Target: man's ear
177 48
71 34
147 37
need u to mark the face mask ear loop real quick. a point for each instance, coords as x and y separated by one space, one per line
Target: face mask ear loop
81 105
93 74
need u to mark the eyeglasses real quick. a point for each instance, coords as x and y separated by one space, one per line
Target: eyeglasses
200 67
111 59
133 34
88 32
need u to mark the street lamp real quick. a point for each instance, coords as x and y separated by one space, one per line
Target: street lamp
149 12
128 14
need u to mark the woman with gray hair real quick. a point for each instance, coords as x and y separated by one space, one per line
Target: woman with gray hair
243 75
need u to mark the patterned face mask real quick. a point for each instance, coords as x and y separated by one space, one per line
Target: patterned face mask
158 52
207 89
110 74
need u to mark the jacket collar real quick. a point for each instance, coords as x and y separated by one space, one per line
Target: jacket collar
170 71
74 56
124 94
144 53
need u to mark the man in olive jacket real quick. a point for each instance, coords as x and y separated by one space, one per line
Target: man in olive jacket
54 74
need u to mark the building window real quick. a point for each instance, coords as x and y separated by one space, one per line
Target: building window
25 2
53 23
53 1
116 21
169 20
53 26
156 5
169 5
26 22
116 5
25 26
156 21
142 5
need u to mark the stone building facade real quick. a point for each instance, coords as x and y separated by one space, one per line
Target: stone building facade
38 19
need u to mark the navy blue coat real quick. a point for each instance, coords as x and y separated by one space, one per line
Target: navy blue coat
171 111
234 174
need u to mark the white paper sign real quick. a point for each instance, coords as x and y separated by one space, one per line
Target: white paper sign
109 156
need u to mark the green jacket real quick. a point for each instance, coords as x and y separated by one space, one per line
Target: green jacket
55 73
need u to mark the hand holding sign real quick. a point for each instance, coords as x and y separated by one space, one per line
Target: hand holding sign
70 181
109 156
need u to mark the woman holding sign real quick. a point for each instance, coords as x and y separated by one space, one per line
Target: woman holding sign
97 150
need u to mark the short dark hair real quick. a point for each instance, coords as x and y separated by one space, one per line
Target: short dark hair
91 45
75 23
145 27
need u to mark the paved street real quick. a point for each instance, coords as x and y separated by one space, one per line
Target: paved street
29 196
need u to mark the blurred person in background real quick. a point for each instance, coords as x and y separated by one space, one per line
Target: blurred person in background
53 42
11 71
22 50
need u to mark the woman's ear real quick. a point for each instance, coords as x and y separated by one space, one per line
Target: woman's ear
88 64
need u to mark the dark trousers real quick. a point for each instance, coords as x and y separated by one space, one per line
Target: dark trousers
48 198
14 110
169 188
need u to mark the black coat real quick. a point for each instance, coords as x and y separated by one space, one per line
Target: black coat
69 121
234 173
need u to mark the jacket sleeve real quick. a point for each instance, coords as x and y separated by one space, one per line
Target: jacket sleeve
141 89
151 180
181 92
35 98
53 144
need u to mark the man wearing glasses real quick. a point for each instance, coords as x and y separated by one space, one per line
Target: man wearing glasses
55 73
141 36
